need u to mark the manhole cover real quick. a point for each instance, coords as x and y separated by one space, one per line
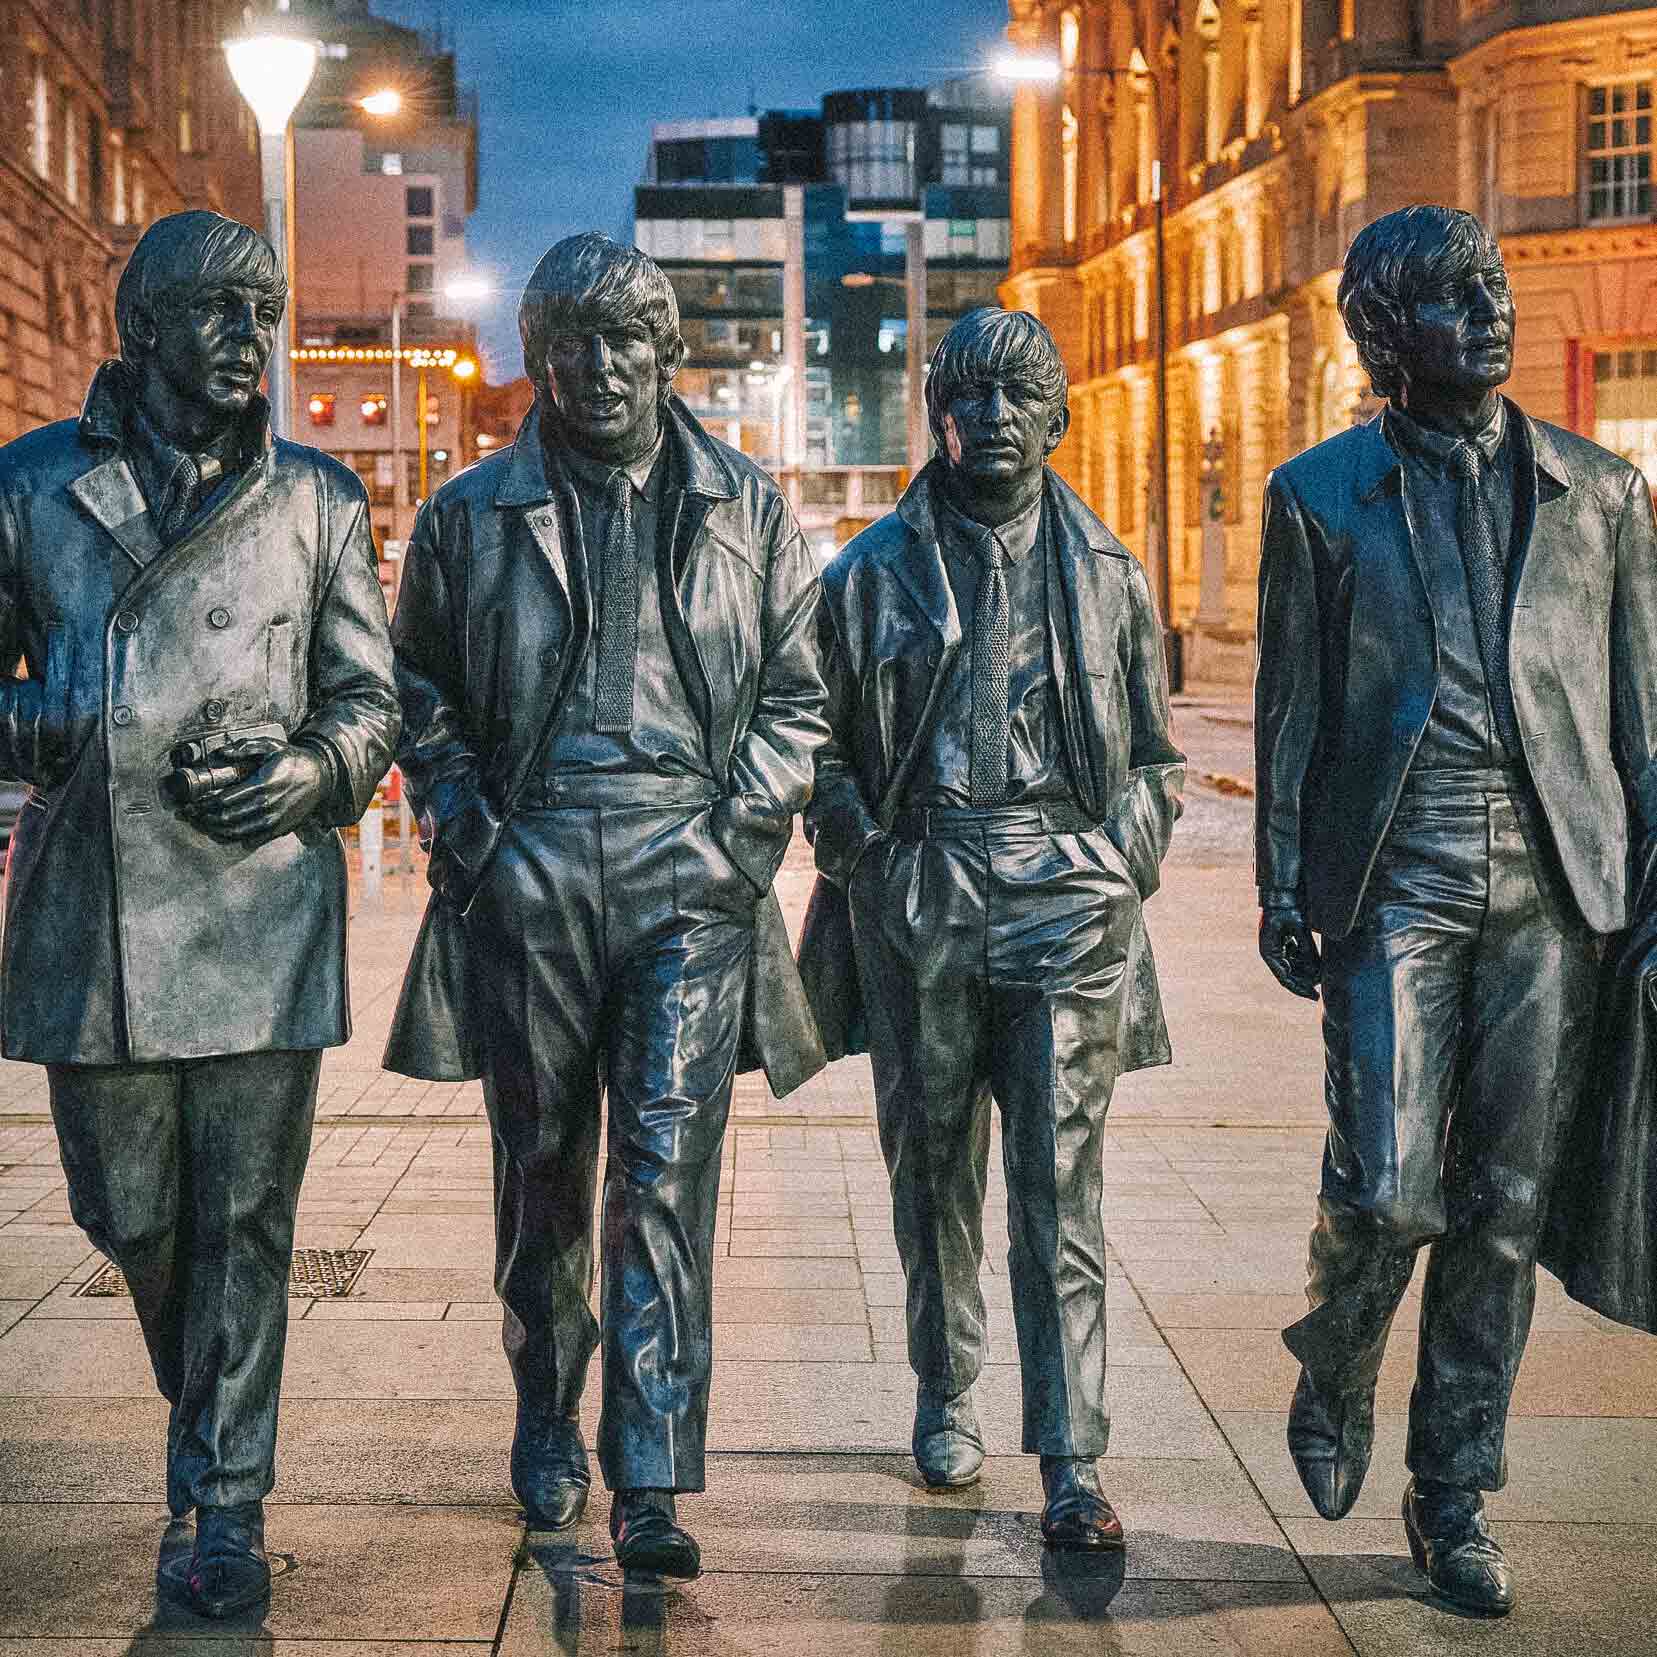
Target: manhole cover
316 1274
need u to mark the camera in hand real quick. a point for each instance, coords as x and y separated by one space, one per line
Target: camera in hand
202 765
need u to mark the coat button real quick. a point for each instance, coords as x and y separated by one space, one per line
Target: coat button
121 715
549 656
126 621
213 708
218 617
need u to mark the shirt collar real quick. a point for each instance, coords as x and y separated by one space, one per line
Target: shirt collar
156 459
963 536
1410 440
644 473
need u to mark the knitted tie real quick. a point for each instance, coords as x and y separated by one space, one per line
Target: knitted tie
618 630
1487 587
991 660
181 499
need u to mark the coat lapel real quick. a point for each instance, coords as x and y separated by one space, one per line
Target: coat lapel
1541 477
526 486
110 496
919 568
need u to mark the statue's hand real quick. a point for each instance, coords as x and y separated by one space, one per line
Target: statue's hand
1289 949
276 799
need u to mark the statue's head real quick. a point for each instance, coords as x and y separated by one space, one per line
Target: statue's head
196 310
600 328
1425 298
997 398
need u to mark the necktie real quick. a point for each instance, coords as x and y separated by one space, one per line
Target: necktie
1486 568
181 498
991 660
618 630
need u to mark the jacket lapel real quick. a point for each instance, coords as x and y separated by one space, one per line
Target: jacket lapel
919 568
1541 477
526 486
110 496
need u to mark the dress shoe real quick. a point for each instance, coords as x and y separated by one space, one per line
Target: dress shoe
229 1571
949 1450
172 1563
549 1468
1331 1437
1077 1518
1449 1540
647 1538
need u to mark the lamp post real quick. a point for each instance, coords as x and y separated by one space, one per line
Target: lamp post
272 71
1042 69
462 287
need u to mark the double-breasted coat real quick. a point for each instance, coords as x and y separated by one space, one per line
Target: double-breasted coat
484 676
893 638
130 935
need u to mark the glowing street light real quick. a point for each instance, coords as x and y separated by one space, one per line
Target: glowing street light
1026 66
387 101
272 72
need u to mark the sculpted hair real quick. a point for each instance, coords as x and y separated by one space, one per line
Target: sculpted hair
991 344
586 282
1390 265
180 255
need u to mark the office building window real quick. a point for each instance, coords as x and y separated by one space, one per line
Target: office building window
954 154
419 278
421 240
391 163
1625 404
419 198
1618 151
373 409
320 407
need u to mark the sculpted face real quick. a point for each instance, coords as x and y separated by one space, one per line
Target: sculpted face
605 384
211 347
998 432
1461 333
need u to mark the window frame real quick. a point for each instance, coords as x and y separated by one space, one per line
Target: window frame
1615 188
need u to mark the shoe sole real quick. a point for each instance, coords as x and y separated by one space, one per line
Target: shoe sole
219 1610
950 1484
1058 1545
677 1569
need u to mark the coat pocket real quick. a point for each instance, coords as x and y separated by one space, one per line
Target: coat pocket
280 697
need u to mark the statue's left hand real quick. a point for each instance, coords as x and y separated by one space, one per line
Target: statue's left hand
276 799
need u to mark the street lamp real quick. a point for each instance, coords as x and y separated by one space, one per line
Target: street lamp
462 287
1042 69
272 71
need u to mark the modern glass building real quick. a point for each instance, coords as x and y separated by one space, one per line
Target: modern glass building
785 235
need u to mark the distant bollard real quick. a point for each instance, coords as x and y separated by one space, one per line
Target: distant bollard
371 840
405 836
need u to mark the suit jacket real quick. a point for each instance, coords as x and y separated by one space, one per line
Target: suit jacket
891 636
129 934
482 685
1349 664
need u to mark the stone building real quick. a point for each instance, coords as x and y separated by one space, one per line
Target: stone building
112 113
1284 126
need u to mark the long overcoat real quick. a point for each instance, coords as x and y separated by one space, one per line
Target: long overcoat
892 636
483 676
130 935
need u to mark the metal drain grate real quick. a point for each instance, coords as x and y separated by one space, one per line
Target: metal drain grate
316 1274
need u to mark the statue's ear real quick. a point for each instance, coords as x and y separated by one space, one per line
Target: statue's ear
1057 425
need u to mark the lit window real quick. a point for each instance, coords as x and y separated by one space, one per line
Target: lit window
320 407
1625 404
1619 151
1069 142
986 140
40 122
954 165
1070 40
372 409
391 164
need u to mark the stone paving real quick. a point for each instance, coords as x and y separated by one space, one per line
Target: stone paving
395 1524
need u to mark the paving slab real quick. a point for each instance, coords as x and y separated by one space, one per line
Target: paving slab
563 1604
1562 1468
1582 1589
78 1570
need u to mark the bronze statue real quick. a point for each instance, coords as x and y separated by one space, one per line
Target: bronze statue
1456 721
992 809
208 694
606 652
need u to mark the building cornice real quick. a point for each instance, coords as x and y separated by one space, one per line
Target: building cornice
1581 245
1629 39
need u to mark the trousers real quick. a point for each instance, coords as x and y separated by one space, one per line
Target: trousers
1457 1025
611 946
187 1176
993 961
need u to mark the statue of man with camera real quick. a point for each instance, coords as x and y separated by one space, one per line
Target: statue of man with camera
206 693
